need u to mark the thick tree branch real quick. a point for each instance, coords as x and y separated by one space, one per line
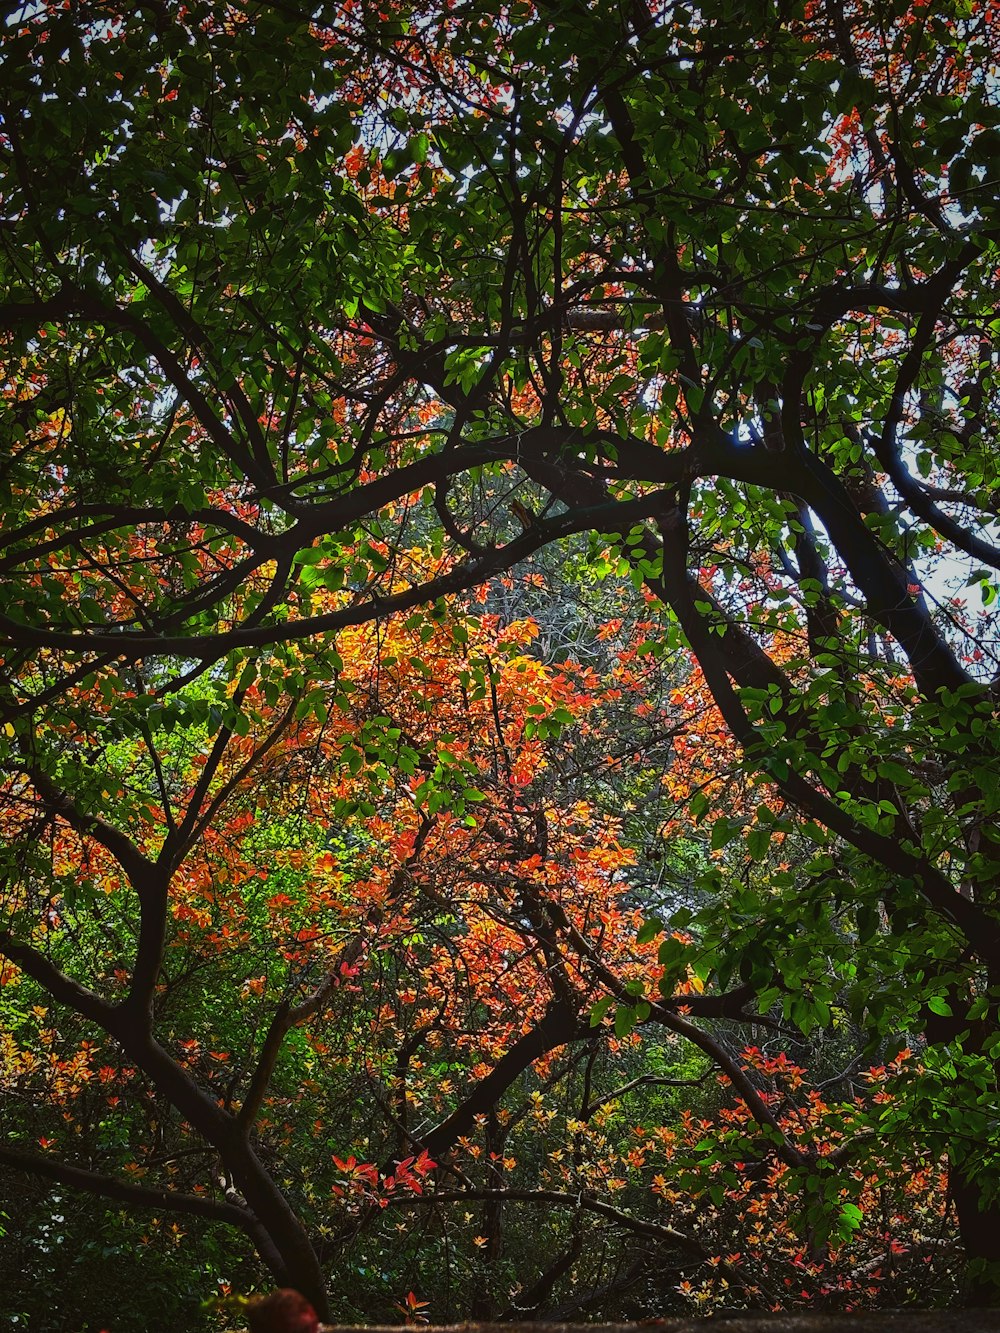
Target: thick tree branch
136 866
132 646
889 454
135 1196
558 1026
60 986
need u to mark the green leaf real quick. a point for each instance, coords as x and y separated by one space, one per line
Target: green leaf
758 841
723 832
649 930
625 1018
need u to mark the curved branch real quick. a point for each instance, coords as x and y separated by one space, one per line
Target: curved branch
122 848
643 1081
111 517
136 1196
558 1026
58 984
186 324
584 1201
888 453
69 303
130 646
666 1017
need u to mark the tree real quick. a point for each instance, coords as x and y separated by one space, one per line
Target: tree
448 943
315 319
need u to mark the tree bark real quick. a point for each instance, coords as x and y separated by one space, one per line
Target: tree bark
979 1228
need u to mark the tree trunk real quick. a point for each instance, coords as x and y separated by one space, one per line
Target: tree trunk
979 1228
978 1223
284 1246
278 1220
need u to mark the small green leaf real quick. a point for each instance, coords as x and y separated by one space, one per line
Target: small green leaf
649 930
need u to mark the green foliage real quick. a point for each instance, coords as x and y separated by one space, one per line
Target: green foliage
474 481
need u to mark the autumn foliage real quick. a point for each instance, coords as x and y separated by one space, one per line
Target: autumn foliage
498 773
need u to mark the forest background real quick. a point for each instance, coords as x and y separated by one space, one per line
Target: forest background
499 755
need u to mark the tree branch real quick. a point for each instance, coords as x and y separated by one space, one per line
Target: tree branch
136 1196
558 1026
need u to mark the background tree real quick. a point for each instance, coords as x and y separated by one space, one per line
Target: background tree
448 943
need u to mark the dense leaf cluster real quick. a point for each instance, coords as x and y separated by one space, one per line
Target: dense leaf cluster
498 531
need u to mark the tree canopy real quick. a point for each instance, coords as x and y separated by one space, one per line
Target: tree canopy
499 548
